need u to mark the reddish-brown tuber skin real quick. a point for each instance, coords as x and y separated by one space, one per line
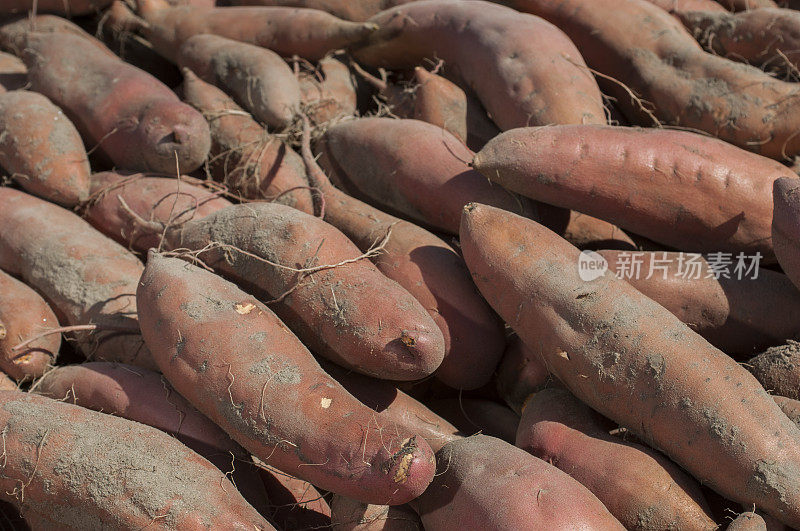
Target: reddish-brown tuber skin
41 149
156 482
649 54
6 383
294 504
351 515
778 369
13 74
431 271
340 312
257 78
485 483
67 8
394 407
790 406
158 200
587 232
137 121
748 521
524 70
355 10
328 92
23 315
746 5
145 396
475 415
308 33
786 226
638 179
440 102
14 33
739 315
635 363
234 360
84 276
766 37
140 395
642 489
521 372
244 156
678 6
411 167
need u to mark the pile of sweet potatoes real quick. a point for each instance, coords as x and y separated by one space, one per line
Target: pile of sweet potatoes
399 265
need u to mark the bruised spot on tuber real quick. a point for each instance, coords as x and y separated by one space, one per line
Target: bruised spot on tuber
3 332
407 339
403 459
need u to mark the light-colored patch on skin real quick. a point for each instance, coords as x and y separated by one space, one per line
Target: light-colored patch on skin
245 308
401 476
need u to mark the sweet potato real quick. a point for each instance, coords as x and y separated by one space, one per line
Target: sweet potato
351 515
790 406
639 179
41 149
641 488
635 363
308 33
145 396
257 78
587 232
116 200
356 10
14 32
746 5
427 97
6 383
98 471
431 271
84 276
740 314
678 6
476 415
747 521
521 372
135 50
339 311
244 156
440 102
766 37
138 122
661 74
294 504
232 358
485 483
23 315
328 91
13 74
410 167
480 127
524 70
68 8
786 226
778 369
394 407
